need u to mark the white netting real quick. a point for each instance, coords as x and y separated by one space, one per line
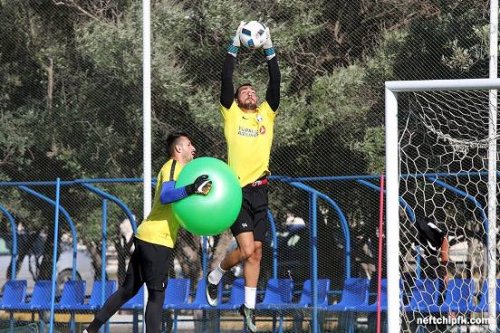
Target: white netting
444 162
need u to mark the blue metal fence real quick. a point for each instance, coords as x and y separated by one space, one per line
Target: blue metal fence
301 183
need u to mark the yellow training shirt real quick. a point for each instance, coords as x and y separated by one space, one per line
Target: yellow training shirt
249 138
161 227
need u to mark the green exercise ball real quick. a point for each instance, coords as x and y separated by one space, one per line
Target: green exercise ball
211 214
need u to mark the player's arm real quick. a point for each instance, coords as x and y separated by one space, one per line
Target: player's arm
445 249
169 193
227 87
444 255
273 88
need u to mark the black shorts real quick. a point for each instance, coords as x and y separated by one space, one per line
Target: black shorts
253 213
149 264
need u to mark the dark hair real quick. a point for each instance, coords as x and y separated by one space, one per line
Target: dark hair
246 84
172 140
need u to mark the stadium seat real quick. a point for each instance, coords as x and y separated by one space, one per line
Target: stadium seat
373 306
200 299
236 297
306 300
136 302
482 305
39 298
95 301
177 293
199 303
277 295
278 292
14 293
425 294
355 293
73 294
305 303
459 297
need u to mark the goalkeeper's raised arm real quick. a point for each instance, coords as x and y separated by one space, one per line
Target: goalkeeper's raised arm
273 88
226 91
228 95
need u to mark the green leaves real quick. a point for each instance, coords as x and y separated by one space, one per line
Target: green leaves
16 136
71 78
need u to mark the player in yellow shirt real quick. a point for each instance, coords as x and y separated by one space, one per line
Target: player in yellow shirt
155 239
249 129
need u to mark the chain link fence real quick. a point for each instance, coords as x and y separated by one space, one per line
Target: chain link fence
71 107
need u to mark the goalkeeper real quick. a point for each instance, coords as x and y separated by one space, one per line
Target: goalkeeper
434 258
434 241
248 128
155 239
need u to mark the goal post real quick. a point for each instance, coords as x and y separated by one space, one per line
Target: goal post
441 135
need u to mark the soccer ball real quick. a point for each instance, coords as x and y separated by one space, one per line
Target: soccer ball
253 35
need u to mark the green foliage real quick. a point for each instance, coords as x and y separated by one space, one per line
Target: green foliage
373 147
71 84
16 135
453 43
334 99
114 49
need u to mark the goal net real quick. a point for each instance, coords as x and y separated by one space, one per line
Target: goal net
445 253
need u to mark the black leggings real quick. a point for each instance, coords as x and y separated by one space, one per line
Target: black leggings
121 296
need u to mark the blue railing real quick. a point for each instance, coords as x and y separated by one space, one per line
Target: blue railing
61 209
86 183
54 255
297 182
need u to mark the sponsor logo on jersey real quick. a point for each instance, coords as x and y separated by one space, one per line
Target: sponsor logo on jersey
244 131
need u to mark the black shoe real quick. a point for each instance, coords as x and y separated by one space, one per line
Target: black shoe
211 292
249 318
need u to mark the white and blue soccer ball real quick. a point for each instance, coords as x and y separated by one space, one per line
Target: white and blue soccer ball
253 35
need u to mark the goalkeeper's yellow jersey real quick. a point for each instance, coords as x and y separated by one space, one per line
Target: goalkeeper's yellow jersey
161 227
249 138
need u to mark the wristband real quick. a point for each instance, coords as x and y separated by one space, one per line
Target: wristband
233 50
190 189
269 53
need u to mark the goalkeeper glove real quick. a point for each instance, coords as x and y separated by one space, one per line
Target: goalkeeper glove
235 45
268 46
201 185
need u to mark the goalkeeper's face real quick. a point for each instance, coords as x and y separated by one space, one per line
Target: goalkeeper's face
186 149
247 98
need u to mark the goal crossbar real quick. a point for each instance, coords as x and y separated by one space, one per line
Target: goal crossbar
427 85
